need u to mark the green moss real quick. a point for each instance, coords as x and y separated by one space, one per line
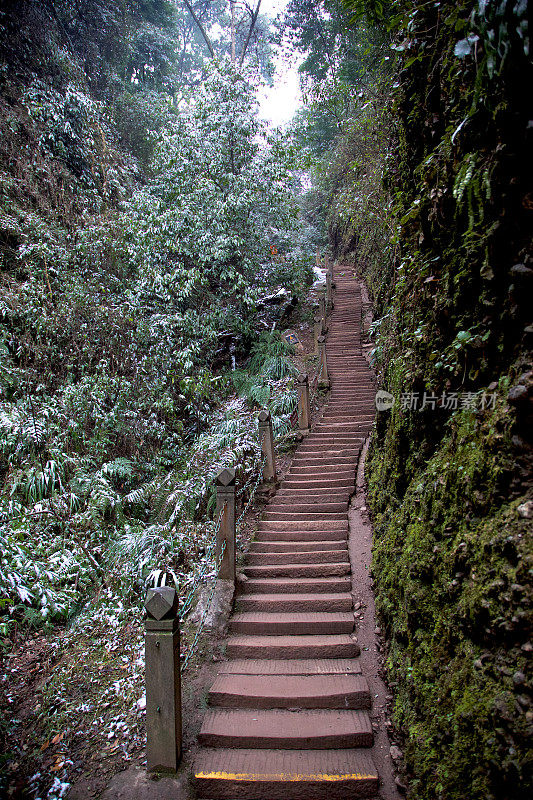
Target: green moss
452 565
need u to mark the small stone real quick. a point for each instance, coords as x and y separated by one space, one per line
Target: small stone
517 394
527 647
377 631
395 753
523 700
400 785
525 510
521 272
519 678
478 664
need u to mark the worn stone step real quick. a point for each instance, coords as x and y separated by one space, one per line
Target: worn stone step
301 536
314 491
325 584
342 645
288 547
304 514
310 525
322 601
293 510
335 471
307 729
304 570
263 623
296 556
312 483
261 774
311 493
323 458
290 691
314 449
291 666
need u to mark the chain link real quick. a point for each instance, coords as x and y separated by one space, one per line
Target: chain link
204 570
201 624
254 490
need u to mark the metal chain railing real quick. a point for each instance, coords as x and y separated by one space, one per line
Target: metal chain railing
254 490
204 570
201 624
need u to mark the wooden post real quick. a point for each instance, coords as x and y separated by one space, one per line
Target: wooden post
329 292
266 437
323 377
322 306
304 407
163 685
318 323
225 486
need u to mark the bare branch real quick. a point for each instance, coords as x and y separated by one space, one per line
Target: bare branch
201 28
250 31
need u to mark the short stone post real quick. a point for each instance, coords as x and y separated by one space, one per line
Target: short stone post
225 486
163 685
266 437
323 377
304 407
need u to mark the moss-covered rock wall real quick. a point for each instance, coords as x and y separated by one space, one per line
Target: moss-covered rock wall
450 479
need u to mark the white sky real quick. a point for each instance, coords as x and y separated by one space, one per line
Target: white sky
277 104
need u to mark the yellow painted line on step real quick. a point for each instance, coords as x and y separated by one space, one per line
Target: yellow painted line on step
244 776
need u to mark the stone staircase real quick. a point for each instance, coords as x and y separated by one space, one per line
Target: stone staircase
288 712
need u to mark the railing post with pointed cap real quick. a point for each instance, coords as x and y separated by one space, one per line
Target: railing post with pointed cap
304 407
266 437
318 324
163 684
329 291
322 306
323 377
225 486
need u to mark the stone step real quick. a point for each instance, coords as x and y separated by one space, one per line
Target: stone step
296 483
317 449
320 584
335 471
309 729
324 646
279 775
311 493
291 666
338 601
263 623
296 556
290 691
310 525
323 458
304 570
301 536
304 514
287 547
292 510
